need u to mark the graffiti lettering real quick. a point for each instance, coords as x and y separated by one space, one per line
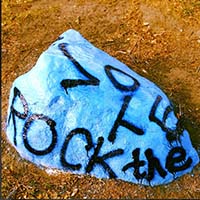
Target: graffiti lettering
122 122
70 83
65 145
171 135
136 164
175 161
153 164
95 159
14 112
119 86
51 123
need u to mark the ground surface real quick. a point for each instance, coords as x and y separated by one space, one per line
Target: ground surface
158 39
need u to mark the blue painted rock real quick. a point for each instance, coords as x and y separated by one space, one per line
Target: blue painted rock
82 111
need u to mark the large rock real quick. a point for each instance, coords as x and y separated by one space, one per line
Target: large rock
82 111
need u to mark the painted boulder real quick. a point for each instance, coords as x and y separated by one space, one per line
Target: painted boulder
82 111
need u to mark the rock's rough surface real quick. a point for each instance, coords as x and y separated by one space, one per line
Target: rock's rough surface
81 110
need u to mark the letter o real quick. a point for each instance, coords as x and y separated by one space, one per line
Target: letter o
118 85
51 123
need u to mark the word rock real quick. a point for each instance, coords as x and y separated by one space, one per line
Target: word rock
82 111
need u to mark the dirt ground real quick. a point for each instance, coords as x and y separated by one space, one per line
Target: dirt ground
160 40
